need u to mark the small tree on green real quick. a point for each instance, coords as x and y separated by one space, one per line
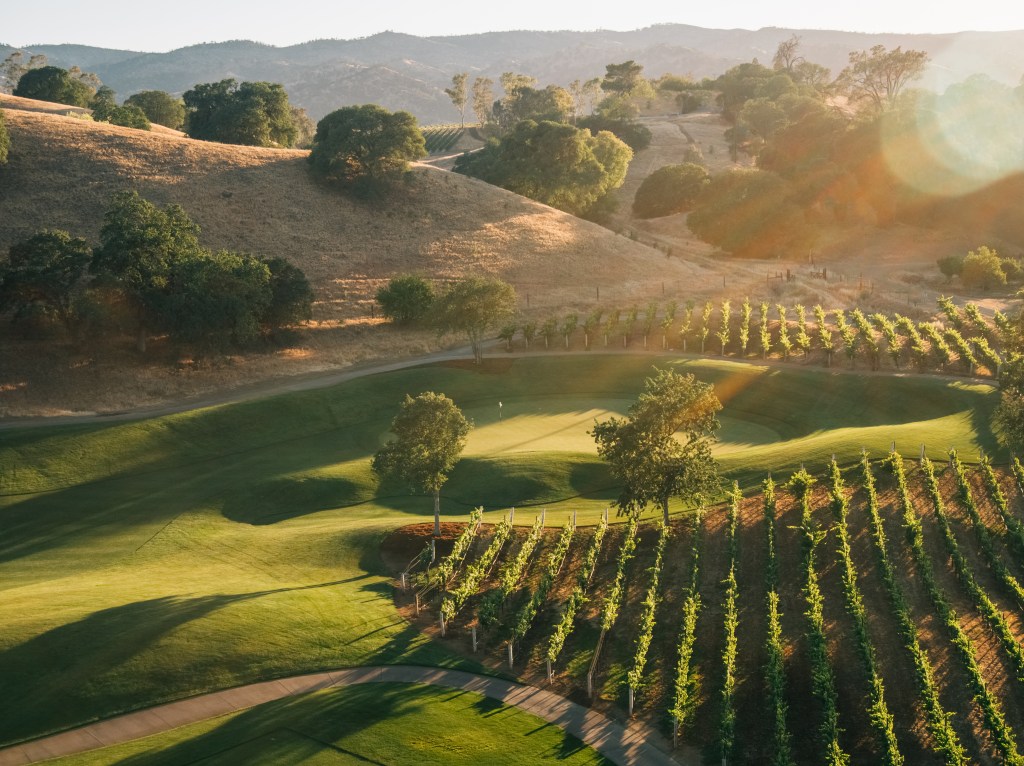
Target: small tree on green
474 307
362 148
430 435
662 448
507 333
406 299
549 330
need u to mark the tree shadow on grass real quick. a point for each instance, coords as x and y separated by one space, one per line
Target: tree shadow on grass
69 674
310 724
280 499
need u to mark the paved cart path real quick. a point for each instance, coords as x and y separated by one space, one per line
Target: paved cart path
627 745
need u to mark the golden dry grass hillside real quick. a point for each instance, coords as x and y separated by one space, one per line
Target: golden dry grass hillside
63 170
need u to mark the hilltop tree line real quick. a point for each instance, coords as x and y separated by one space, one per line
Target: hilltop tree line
149 275
860 147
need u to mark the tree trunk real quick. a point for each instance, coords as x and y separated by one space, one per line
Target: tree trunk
437 513
140 339
664 509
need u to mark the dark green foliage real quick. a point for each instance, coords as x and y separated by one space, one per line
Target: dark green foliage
159 107
750 213
250 113
43 272
51 83
406 299
105 109
102 101
5 140
525 103
633 134
291 297
362 148
951 266
671 189
552 163
153 258
140 246
218 299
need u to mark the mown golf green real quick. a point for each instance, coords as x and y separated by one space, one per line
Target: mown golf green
394 724
147 561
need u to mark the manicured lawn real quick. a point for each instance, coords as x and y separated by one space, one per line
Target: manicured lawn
394 724
147 561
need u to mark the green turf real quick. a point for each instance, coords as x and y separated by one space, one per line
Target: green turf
393 724
146 561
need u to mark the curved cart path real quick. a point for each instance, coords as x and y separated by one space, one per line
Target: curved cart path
627 745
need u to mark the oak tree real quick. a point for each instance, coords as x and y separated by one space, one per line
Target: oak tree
430 435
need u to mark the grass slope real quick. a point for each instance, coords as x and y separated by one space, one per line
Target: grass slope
396 724
151 560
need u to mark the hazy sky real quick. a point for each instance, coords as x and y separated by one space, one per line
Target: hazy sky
161 26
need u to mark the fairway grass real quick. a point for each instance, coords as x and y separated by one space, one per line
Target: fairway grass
394 724
148 561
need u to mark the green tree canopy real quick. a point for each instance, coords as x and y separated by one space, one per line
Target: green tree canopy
430 435
364 147
459 94
291 297
105 109
217 299
140 247
982 269
878 76
750 213
250 113
553 163
473 307
406 299
671 189
44 270
636 136
159 107
51 83
662 448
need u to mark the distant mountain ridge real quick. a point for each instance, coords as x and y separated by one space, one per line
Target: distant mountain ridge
401 71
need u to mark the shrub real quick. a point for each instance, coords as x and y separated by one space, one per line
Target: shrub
406 299
982 268
671 189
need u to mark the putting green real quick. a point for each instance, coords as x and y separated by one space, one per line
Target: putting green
557 424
